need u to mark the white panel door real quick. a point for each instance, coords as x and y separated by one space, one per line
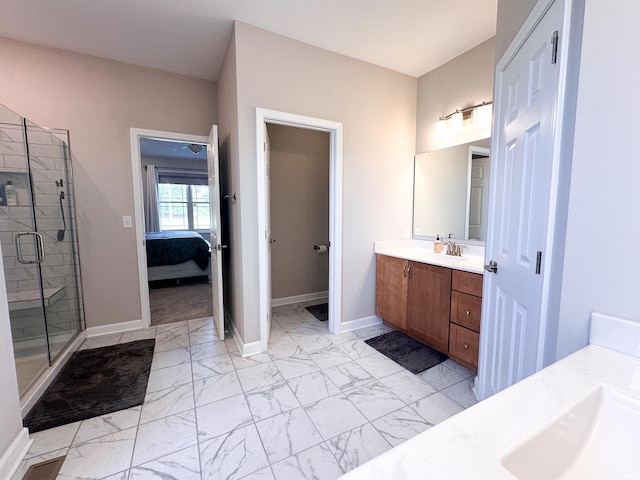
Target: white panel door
522 149
216 233
267 208
479 194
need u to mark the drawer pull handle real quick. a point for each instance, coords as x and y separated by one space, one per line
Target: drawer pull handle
468 312
466 346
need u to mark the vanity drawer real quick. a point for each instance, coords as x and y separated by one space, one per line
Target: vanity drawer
467 282
465 310
464 345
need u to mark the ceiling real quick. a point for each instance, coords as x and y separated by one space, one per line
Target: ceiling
150 147
190 37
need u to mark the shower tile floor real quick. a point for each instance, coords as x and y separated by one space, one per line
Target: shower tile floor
315 406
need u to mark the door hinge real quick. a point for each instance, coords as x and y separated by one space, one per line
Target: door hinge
538 262
554 47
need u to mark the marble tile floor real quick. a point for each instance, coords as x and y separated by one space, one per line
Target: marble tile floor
315 406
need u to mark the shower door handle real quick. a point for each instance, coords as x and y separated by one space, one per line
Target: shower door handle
39 247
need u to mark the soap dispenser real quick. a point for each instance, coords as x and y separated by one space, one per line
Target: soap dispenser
437 245
10 194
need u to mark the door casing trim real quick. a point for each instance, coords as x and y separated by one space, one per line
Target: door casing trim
335 212
138 206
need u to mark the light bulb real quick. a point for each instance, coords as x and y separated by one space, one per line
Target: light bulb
455 122
482 117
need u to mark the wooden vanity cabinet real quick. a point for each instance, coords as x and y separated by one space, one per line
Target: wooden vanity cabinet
466 304
414 298
391 290
437 305
428 304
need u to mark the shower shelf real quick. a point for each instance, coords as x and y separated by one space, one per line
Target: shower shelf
31 298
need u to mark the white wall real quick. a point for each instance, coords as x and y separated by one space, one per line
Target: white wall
10 417
377 108
601 270
99 101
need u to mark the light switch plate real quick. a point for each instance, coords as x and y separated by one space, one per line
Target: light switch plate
127 221
407 233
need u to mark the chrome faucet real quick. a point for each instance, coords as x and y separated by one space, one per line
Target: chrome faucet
454 249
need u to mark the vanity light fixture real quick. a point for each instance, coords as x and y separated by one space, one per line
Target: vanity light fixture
479 115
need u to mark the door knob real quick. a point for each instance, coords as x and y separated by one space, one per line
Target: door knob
492 267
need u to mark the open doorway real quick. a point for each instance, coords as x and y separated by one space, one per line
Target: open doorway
172 206
334 130
299 200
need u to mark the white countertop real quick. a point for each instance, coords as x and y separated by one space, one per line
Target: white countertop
472 259
471 444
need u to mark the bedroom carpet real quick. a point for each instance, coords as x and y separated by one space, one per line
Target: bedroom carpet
411 354
94 382
178 303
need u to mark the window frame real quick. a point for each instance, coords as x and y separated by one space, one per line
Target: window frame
189 202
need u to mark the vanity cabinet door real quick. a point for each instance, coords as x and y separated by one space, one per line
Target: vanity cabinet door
467 282
391 290
429 304
464 346
465 310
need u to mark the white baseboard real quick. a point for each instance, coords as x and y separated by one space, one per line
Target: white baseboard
307 297
114 328
359 323
252 348
11 458
35 392
245 349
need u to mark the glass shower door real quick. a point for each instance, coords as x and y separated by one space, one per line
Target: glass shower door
22 251
49 159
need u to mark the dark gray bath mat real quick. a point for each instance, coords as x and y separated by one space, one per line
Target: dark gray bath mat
411 354
320 311
94 382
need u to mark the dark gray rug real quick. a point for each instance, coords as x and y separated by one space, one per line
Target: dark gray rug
320 311
94 382
404 350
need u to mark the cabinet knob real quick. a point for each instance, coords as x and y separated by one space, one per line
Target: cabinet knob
466 346
468 312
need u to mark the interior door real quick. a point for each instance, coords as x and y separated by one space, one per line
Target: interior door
267 161
479 194
216 234
526 91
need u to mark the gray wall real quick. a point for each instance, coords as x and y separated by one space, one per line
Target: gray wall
464 81
511 16
229 176
377 108
299 210
99 101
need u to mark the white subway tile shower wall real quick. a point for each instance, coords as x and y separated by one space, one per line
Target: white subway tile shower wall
59 269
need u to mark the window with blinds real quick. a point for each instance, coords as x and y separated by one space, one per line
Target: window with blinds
183 200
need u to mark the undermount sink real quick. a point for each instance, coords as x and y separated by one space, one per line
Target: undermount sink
596 438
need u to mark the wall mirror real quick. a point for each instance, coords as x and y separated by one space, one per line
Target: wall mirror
451 192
